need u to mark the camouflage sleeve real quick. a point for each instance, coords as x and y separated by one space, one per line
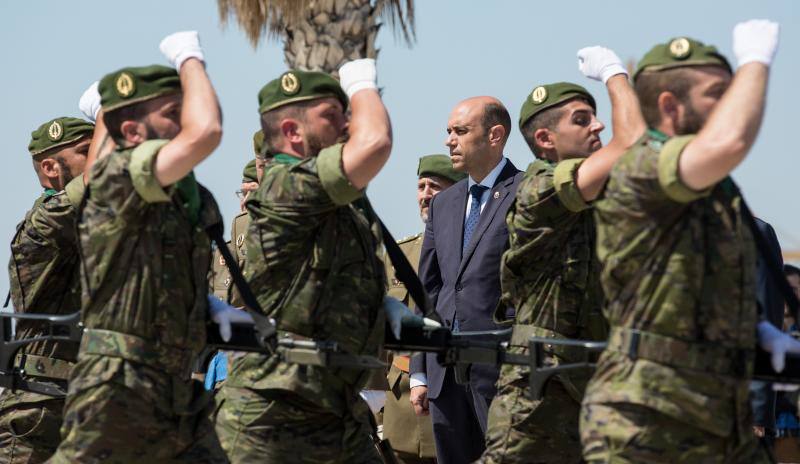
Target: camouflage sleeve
75 190
52 222
567 190
539 212
668 175
142 174
331 175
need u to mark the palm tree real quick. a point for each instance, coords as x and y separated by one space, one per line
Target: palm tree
320 35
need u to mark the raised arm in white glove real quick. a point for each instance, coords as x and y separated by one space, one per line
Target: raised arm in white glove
755 40
89 104
358 75
599 63
224 315
778 343
180 46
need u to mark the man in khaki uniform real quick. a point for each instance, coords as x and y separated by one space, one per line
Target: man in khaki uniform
43 270
411 436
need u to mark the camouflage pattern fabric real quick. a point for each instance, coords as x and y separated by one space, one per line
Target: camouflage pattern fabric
411 436
631 433
313 262
679 268
551 276
123 412
280 426
239 228
145 265
43 272
219 280
29 429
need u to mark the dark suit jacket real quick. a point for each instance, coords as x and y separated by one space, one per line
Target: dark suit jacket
770 304
467 287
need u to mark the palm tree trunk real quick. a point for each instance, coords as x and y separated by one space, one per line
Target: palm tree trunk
330 33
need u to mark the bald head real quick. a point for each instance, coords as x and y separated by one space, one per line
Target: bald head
477 130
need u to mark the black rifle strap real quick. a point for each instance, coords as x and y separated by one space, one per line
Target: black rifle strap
215 232
774 268
406 274
8 299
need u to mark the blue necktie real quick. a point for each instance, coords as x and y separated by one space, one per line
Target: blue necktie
474 213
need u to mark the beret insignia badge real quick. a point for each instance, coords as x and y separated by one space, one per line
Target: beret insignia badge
680 48
290 84
539 95
125 85
55 131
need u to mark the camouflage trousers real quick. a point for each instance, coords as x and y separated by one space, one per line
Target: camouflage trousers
123 412
521 430
279 426
29 427
631 433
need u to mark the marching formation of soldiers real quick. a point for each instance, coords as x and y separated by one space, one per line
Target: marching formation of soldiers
643 243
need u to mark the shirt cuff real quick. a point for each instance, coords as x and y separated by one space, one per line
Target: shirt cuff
142 174
331 174
566 188
418 380
374 398
668 174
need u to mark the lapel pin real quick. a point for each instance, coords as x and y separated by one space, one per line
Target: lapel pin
496 195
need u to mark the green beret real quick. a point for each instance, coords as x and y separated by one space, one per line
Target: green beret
295 86
128 86
57 133
680 52
258 142
547 96
438 165
250 174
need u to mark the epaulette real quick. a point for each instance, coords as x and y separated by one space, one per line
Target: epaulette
409 238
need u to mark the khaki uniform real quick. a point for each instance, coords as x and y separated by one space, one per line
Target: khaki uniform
551 276
313 262
679 278
44 270
146 259
411 436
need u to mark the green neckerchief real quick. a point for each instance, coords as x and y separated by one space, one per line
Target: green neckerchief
657 134
283 158
189 194
48 192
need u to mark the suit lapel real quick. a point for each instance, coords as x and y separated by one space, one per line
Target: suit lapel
456 216
496 197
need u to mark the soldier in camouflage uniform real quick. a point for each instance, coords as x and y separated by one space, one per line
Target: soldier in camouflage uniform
313 262
43 271
678 265
549 273
144 271
411 435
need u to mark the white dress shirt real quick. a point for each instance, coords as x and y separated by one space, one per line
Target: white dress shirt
420 379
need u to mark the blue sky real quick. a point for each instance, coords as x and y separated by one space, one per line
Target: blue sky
52 50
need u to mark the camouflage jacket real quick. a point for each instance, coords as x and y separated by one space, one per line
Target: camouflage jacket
550 273
43 268
313 262
679 267
145 262
221 280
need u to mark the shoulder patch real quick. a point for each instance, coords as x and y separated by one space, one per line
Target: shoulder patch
410 238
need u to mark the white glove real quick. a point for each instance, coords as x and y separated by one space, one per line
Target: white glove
89 104
771 339
358 75
181 46
224 315
755 40
376 399
599 63
399 316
